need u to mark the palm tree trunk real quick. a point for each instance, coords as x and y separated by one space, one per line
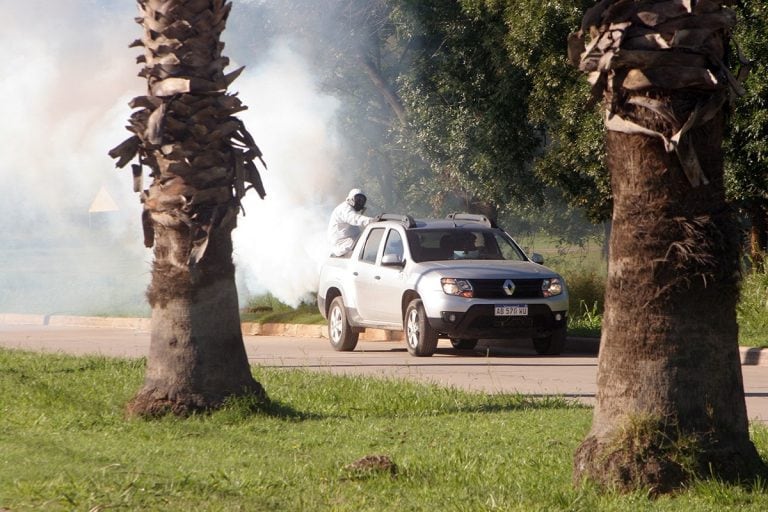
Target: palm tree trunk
200 158
670 400
197 358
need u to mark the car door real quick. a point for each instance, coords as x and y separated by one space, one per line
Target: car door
366 276
391 279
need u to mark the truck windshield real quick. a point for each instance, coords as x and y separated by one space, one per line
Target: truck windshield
462 244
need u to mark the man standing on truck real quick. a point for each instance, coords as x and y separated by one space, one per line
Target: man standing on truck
346 222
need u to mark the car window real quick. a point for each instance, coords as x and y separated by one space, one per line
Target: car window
510 251
462 243
371 247
394 244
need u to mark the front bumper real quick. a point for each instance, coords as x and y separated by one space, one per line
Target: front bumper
479 322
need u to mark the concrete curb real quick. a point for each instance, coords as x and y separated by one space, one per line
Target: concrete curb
750 356
139 324
17 319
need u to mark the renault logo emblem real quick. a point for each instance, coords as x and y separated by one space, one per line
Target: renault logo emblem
509 287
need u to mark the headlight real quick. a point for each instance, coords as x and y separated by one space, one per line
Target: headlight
551 287
458 287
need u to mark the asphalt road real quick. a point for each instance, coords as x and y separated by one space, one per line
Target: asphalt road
493 367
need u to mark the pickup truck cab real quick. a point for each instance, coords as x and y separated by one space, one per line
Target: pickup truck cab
461 278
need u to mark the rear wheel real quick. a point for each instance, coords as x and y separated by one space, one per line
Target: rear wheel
463 343
550 345
420 337
340 333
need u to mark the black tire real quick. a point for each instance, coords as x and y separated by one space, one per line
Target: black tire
420 337
463 343
551 345
341 335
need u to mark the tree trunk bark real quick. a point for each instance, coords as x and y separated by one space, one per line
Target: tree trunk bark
390 97
197 358
200 158
670 400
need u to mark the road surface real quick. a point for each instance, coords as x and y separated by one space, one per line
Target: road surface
495 367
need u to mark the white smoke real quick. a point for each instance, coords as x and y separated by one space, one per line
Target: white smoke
66 79
281 241
62 101
67 76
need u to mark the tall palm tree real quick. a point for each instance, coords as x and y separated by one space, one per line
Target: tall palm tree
200 158
670 400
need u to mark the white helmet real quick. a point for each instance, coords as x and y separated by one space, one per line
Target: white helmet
356 199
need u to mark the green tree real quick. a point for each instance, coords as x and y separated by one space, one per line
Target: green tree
747 143
670 399
467 107
571 158
200 158
433 108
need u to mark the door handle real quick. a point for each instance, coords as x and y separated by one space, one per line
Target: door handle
377 278
354 274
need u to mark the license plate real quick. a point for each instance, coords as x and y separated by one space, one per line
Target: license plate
511 310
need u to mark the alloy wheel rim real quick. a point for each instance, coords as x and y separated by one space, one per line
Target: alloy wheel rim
413 329
335 325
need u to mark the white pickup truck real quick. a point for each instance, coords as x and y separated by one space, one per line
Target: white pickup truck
461 278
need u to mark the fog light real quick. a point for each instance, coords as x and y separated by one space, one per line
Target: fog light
449 316
558 317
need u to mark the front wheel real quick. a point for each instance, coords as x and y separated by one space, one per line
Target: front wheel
420 337
550 345
343 338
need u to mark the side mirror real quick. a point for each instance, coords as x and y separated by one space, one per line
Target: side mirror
537 258
392 260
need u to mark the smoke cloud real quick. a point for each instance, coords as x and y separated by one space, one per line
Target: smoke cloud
281 241
64 69
67 77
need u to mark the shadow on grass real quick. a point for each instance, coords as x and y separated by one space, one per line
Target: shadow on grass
280 410
513 403
245 407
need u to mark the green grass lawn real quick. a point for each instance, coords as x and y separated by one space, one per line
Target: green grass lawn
65 445
267 309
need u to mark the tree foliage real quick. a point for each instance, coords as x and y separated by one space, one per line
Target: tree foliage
747 144
467 104
747 147
471 104
571 159
433 108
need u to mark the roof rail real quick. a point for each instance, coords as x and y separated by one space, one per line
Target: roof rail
405 220
472 217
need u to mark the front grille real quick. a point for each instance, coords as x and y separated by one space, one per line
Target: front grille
494 288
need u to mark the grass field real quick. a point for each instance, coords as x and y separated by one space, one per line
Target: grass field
753 310
65 445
